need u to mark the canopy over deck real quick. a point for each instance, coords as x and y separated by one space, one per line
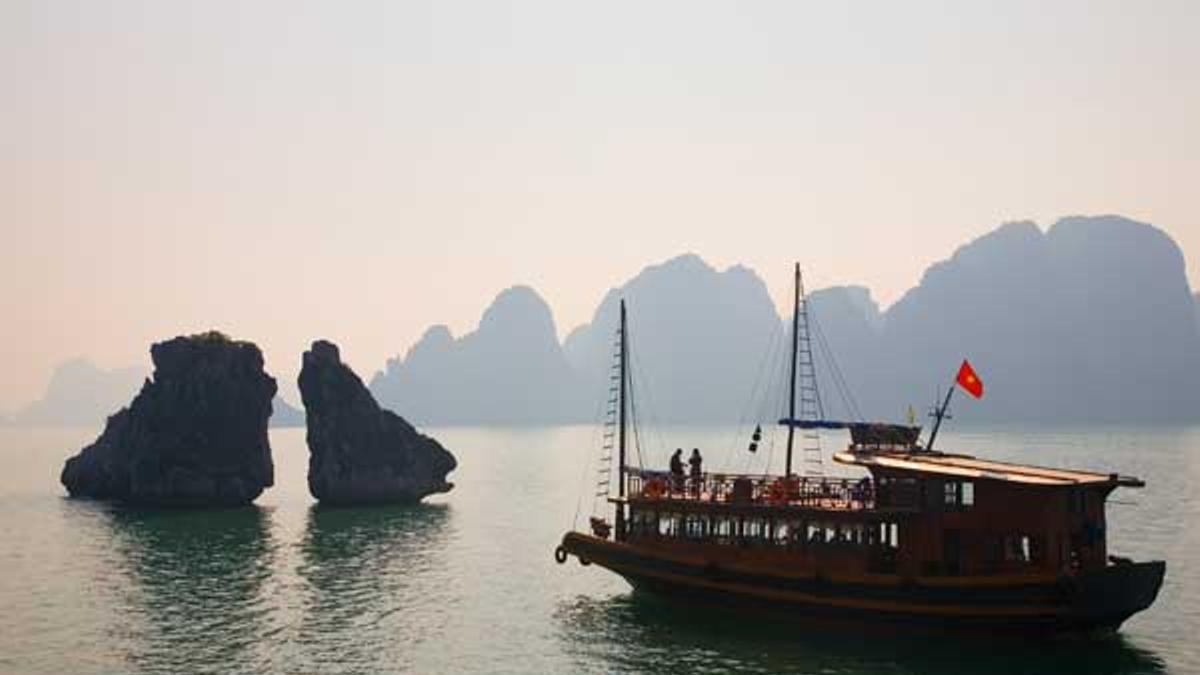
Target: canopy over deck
965 466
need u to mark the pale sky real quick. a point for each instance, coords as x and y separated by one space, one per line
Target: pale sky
288 170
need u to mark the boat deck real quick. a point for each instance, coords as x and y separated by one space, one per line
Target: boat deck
809 492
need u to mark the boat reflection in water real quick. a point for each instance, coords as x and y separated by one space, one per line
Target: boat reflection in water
366 573
640 633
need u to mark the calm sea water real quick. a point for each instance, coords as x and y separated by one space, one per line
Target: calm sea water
467 582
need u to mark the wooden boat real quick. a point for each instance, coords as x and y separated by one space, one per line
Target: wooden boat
924 537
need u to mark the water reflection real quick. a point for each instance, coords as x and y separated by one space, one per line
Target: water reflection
373 580
639 633
197 597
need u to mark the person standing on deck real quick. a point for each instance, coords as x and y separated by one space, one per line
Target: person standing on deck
695 462
677 470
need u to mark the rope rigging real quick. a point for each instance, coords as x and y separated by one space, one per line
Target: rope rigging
839 381
774 394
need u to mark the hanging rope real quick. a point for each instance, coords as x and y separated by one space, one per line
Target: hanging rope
749 408
839 381
638 373
588 466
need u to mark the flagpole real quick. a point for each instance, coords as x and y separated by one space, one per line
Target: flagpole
941 414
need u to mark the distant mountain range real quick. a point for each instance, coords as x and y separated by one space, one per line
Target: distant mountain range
1089 321
696 337
510 370
284 414
80 394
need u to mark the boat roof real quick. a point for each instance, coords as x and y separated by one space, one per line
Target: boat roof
966 466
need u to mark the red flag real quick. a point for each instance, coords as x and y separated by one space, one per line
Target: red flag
968 380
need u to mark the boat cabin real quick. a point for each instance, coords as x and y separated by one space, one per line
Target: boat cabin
921 535
918 513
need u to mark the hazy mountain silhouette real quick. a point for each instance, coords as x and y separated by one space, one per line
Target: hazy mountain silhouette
284 414
1091 320
846 323
510 370
698 337
81 394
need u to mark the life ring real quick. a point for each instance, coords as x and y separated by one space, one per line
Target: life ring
654 489
560 555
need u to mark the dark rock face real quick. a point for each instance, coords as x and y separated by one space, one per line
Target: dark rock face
195 436
359 452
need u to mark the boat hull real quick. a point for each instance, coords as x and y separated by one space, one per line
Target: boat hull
1095 601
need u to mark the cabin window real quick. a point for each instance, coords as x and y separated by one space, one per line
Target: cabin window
668 525
1022 548
722 528
889 535
751 528
644 522
782 533
694 527
958 495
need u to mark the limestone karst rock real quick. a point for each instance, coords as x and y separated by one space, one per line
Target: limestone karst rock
359 452
194 436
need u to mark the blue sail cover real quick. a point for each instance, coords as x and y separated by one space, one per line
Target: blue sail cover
864 433
813 424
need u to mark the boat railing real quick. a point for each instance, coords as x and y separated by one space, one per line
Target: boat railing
817 492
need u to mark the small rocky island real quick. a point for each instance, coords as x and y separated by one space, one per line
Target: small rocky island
361 453
195 436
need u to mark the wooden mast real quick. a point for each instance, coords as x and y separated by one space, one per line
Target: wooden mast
620 517
792 379
624 405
